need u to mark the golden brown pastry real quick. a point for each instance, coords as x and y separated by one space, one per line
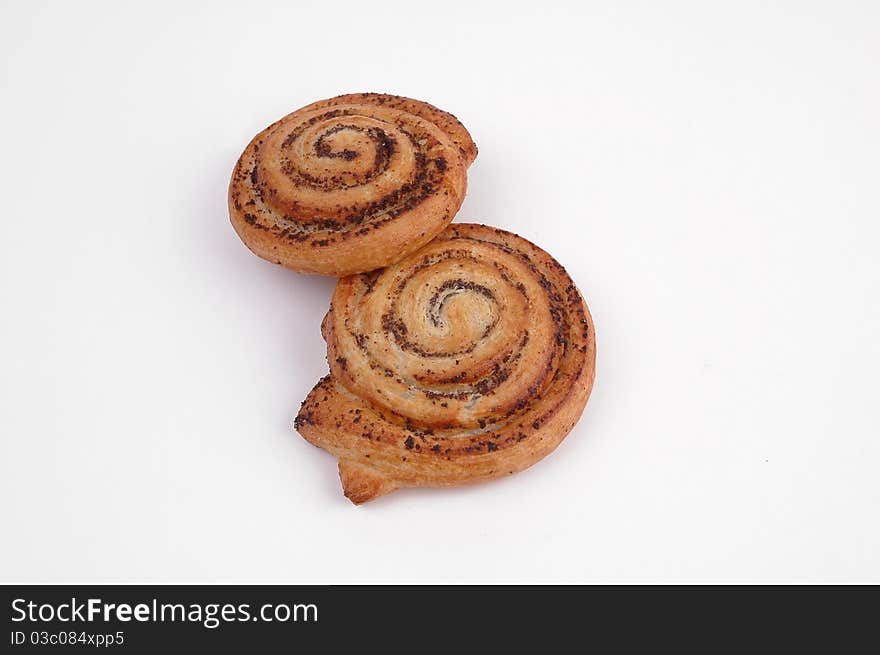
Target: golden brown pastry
469 360
350 184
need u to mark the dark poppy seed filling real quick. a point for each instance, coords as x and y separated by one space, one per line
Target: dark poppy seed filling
449 288
299 175
463 335
290 175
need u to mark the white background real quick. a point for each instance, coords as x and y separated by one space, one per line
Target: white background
707 172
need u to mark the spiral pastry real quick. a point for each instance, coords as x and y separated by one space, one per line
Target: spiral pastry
469 360
350 184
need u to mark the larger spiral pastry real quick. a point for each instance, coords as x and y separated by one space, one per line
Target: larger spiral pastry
350 184
471 359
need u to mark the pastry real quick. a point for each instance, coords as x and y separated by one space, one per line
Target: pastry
469 360
350 184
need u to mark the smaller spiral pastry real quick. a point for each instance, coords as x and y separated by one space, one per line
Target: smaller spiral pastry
469 360
350 184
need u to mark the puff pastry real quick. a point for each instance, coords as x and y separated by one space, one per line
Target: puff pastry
350 184
469 360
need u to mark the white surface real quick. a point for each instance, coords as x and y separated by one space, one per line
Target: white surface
708 175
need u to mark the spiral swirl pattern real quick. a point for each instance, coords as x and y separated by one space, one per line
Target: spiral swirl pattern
350 184
470 359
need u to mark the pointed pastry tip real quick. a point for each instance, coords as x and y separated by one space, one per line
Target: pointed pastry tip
362 483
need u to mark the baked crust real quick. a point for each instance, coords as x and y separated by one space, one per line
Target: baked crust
350 184
469 360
